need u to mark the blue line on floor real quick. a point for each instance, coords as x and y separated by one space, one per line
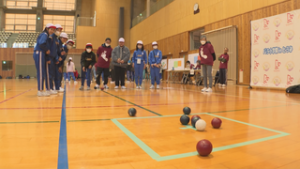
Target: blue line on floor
63 149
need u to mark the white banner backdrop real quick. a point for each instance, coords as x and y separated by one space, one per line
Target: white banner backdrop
275 51
176 64
164 64
193 58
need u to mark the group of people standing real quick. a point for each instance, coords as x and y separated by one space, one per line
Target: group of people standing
50 52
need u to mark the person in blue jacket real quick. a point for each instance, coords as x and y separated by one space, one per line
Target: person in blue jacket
63 38
139 59
54 58
40 51
155 58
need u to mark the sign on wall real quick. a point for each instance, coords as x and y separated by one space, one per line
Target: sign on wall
176 64
275 50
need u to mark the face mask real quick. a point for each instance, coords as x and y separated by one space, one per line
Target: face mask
69 46
88 50
155 47
203 42
140 46
57 33
106 44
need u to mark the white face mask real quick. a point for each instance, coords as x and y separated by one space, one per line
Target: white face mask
155 47
69 46
140 46
106 44
88 50
203 42
57 33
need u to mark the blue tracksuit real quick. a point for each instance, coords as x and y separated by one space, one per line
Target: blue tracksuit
64 48
54 55
141 57
39 56
155 56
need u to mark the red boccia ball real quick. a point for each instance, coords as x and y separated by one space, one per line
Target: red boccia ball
216 123
204 147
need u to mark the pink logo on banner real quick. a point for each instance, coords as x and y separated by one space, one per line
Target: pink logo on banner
290 80
277 22
277 36
266 24
266 66
266 79
255 26
277 65
256 53
256 37
267 38
256 64
290 18
290 34
255 80
290 65
276 81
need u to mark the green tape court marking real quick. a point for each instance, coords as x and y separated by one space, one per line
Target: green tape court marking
88 120
26 122
133 104
157 157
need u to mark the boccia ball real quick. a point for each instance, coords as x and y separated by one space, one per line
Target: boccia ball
195 116
216 123
194 120
200 125
187 111
132 112
204 147
184 119
102 88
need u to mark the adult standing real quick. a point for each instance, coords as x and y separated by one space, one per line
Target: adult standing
104 55
208 56
224 58
120 57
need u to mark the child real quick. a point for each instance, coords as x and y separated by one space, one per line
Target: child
139 61
41 62
71 69
155 58
224 58
88 59
104 55
63 52
69 45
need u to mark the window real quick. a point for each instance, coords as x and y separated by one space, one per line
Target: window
65 5
6 65
67 22
21 4
20 23
195 38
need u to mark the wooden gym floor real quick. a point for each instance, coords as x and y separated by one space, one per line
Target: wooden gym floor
91 129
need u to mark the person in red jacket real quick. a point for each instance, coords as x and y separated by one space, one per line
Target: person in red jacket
208 56
102 65
224 58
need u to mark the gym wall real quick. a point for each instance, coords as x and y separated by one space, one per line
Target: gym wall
173 23
107 23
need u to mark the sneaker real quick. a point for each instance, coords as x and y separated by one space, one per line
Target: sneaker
152 87
106 87
224 85
53 92
40 94
137 87
123 87
140 87
81 88
117 87
209 90
61 90
46 94
88 88
220 84
157 87
204 89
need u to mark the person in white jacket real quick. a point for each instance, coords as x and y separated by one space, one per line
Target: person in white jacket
70 69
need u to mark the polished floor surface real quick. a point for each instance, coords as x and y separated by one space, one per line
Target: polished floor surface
92 129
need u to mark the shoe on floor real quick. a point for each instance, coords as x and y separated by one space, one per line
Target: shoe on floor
42 94
61 90
116 87
204 89
152 87
88 88
123 87
157 87
209 90
106 87
53 92
138 87
223 85
81 88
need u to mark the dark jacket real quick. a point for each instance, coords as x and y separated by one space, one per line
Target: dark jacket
88 59
116 55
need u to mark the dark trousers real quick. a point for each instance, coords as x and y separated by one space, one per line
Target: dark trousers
223 76
112 74
120 75
99 73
